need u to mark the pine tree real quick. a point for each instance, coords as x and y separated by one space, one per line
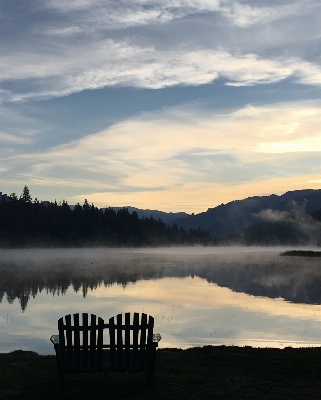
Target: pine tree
25 196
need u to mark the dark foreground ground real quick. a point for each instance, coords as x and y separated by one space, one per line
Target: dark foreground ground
198 373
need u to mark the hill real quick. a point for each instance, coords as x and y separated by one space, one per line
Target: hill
234 217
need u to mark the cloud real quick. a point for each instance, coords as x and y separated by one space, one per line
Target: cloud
178 157
95 15
55 48
110 63
124 13
132 7
244 15
18 128
180 133
91 44
55 30
7 137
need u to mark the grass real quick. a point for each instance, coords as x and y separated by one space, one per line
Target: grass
210 372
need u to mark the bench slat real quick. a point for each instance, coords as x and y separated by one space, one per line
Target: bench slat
92 349
85 341
69 342
120 346
135 340
112 341
127 341
100 335
76 342
142 342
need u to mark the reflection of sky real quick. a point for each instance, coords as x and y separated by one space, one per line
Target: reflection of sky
187 311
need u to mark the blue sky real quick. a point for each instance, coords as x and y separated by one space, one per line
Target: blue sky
171 105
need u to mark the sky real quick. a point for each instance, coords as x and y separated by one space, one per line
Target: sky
174 105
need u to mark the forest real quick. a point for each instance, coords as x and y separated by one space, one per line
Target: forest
27 223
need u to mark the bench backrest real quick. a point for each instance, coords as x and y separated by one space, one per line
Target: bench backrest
124 344
131 342
80 344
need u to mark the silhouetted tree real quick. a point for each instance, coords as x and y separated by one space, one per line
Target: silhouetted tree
23 222
13 196
25 196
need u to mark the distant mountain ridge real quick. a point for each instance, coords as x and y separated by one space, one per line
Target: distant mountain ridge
234 217
257 219
237 215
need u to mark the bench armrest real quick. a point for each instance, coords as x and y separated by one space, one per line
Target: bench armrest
54 339
156 337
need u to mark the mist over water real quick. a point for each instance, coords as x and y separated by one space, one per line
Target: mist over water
197 295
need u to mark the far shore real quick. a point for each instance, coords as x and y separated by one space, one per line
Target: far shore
302 253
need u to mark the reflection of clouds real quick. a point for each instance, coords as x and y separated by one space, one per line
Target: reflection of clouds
188 310
197 293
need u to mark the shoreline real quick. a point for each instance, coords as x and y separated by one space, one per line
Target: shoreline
301 253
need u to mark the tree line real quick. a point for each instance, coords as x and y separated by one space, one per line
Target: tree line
24 222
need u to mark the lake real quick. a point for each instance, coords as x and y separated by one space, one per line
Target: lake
198 296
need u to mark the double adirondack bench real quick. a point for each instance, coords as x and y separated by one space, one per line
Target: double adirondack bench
125 344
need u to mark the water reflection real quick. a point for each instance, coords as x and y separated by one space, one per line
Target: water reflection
26 273
197 296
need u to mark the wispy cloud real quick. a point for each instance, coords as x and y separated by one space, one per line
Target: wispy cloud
78 47
109 63
124 13
7 137
180 149
244 15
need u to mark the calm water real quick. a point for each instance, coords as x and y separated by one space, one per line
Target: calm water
198 296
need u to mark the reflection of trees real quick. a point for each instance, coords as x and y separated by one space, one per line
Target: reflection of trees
296 280
297 286
22 283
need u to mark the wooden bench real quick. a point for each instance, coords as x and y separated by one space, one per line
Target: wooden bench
125 344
